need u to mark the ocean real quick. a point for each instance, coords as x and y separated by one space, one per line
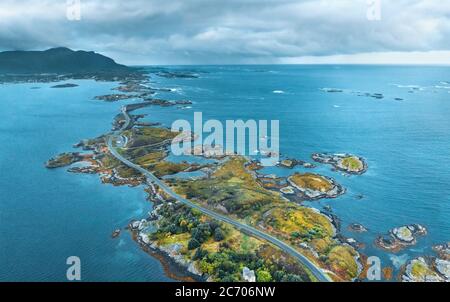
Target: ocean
49 215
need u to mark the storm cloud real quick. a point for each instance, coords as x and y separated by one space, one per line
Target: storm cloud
221 32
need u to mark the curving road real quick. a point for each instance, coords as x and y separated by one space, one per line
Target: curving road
316 271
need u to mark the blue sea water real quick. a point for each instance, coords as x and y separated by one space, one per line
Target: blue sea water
46 216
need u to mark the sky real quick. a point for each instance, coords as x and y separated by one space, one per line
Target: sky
144 32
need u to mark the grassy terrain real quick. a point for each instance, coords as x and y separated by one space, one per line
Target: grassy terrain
420 270
150 158
222 251
148 135
341 260
311 181
299 224
231 187
352 163
218 249
65 159
164 168
109 162
126 172
62 160
235 190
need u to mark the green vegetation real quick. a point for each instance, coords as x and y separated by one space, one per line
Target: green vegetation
234 189
230 187
352 163
420 270
311 181
145 136
263 276
164 168
108 161
341 260
150 158
146 148
62 160
298 224
126 172
218 249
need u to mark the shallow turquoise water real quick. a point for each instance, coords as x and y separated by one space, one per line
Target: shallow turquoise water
49 215
46 216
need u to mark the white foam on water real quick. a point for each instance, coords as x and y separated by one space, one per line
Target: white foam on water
176 90
278 92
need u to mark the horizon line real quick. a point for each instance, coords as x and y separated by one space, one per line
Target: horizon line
298 64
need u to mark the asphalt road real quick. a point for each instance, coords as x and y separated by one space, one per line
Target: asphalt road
316 271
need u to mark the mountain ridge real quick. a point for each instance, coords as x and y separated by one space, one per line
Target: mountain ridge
59 60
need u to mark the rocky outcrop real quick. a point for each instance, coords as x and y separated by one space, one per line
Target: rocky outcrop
420 270
116 97
116 233
401 237
348 163
291 163
408 234
443 250
68 85
356 227
64 159
330 189
172 251
287 190
443 268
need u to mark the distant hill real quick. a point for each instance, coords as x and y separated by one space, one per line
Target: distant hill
57 60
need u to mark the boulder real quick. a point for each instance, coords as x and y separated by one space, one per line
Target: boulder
443 268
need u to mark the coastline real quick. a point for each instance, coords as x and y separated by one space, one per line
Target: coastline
100 146
171 268
348 172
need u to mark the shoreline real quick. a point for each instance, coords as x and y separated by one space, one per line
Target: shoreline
317 271
171 269
177 272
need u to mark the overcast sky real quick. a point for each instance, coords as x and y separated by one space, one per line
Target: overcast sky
234 32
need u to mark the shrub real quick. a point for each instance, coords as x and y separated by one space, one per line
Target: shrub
263 276
193 244
219 235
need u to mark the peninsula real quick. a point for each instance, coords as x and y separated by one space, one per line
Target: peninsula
216 224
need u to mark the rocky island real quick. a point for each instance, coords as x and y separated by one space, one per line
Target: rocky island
357 228
68 85
443 250
292 163
401 237
347 163
313 186
428 269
